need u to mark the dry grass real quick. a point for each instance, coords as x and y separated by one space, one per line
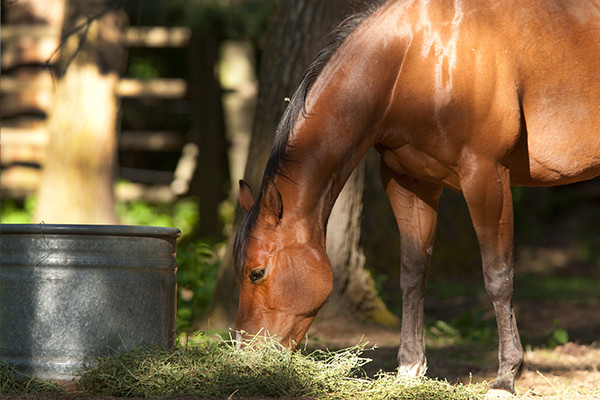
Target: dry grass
215 368
12 382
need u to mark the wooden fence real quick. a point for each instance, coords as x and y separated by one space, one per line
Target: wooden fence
26 101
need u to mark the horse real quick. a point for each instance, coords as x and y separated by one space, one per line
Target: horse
471 95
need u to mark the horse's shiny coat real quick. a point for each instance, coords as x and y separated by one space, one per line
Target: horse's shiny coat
472 95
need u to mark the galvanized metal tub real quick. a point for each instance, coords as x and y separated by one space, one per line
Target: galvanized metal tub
70 293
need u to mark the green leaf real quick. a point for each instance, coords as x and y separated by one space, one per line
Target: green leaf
561 336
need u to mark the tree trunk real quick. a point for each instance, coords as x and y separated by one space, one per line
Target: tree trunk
78 179
354 291
208 133
296 33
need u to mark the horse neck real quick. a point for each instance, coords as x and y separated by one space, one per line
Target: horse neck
322 154
341 123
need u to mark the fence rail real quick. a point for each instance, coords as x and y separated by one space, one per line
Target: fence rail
17 32
166 88
134 36
156 36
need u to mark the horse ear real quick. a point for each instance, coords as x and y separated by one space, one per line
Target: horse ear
271 199
246 196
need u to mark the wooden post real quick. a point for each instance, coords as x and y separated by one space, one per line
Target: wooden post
207 132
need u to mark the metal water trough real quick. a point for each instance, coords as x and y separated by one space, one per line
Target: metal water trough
70 293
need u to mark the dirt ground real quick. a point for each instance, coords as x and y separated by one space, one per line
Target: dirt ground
568 372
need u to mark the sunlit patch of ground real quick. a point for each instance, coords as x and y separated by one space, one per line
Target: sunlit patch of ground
568 372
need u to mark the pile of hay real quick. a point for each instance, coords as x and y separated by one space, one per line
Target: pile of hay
215 368
13 382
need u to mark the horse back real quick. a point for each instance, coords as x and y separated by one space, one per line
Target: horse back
517 81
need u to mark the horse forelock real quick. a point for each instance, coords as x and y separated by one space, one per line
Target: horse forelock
297 105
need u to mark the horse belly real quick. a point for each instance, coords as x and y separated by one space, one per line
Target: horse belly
560 89
560 142
550 169
558 153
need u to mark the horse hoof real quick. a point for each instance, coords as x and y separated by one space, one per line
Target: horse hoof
498 394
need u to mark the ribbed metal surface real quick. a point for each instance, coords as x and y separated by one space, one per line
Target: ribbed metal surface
69 293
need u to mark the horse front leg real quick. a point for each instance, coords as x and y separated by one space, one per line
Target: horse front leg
488 196
415 208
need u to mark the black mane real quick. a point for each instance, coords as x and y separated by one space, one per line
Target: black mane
277 158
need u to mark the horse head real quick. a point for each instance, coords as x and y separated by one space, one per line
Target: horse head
285 275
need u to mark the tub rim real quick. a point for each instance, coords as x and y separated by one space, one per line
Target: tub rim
89 229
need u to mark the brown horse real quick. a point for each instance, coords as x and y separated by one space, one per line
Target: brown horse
471 95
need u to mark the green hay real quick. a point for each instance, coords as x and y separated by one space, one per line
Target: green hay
215 368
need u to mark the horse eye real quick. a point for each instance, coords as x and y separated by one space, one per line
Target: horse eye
256 274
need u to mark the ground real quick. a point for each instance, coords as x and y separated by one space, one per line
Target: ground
566 372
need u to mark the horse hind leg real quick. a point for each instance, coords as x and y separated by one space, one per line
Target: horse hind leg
415 209
487 192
